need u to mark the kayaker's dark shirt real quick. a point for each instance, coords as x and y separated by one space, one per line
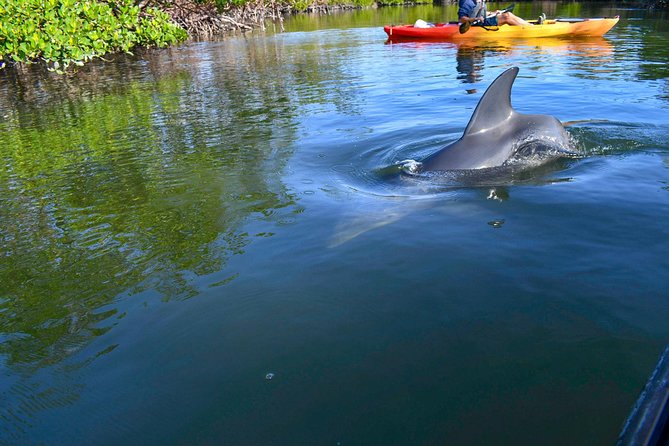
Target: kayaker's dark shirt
466 8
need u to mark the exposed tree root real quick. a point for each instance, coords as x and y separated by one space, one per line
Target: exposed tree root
204 19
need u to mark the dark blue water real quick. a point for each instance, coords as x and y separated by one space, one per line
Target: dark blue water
177 225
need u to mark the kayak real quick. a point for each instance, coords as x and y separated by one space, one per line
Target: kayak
549 28
648 423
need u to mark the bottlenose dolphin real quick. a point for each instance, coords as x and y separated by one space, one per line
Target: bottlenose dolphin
497 134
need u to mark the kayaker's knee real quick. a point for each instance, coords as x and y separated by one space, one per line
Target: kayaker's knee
508 18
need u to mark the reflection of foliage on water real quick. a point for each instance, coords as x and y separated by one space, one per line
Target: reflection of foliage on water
654 53
372 17
315 66
144 183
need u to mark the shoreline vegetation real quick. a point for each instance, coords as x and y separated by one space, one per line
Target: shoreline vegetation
60 34
65 33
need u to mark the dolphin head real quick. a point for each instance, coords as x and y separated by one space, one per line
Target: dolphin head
497 135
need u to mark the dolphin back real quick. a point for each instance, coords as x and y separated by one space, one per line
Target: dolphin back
497 134
495 104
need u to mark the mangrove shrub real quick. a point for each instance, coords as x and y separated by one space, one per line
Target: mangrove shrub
304 5
62 32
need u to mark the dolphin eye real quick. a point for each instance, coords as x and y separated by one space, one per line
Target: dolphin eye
534 151
531 148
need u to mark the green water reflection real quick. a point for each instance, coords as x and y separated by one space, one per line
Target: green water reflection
141 188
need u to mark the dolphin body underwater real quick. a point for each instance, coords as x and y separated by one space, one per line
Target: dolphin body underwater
497 135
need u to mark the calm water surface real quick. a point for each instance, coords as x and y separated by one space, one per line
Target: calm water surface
177 225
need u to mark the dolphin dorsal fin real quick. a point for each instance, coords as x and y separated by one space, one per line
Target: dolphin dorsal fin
495 104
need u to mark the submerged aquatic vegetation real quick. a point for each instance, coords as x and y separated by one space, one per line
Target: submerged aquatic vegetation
65 32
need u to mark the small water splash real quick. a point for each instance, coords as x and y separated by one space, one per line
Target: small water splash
410 167
498 194
614 137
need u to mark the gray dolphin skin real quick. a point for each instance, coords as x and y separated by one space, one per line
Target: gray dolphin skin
497 133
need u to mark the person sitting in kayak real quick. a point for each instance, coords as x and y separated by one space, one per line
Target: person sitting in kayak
473 12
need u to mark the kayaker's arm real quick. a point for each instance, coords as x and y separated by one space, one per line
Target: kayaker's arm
467 9
465 19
